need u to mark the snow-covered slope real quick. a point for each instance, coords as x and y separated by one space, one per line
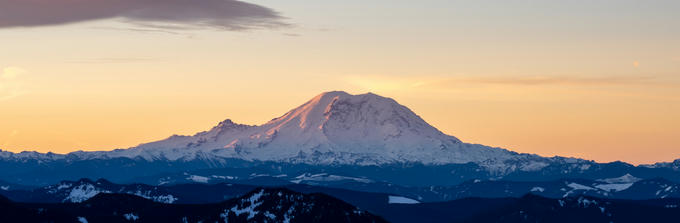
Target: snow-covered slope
332 128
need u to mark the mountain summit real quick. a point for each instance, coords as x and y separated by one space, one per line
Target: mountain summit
331 128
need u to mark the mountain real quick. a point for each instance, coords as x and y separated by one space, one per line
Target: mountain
350 137
260 205
331 128
114 203
366 195
282 205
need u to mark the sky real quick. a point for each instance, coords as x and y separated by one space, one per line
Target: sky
599 80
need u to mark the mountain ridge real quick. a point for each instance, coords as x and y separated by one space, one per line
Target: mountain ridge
258 205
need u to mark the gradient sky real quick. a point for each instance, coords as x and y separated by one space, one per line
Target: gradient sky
598 80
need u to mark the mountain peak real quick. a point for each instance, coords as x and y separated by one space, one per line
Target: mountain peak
343 94
226 124
339 108
334 93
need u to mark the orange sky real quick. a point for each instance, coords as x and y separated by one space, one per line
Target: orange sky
597 80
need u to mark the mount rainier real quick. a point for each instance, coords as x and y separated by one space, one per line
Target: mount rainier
331 128
359 136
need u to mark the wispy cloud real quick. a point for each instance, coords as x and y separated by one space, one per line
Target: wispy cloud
11 84
156 14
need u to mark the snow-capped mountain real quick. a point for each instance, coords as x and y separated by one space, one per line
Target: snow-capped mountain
331 128
335 133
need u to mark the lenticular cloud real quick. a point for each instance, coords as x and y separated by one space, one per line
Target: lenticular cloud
172 14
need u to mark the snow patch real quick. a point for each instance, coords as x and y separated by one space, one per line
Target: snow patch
163 181
288 215
223 177
270 215
585 202
198 179
627 178
82 193
82 220
168 199
250 209
131 217
254 175
614 187
537 189
576 186
401 200
64 186
327 177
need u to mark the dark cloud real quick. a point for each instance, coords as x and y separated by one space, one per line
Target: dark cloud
159 14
